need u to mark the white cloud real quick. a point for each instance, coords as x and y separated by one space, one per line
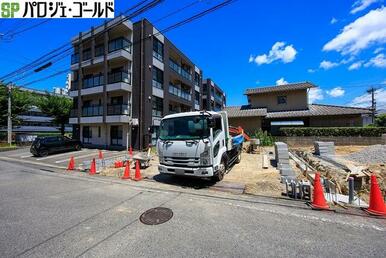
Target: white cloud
327 65
336 92
355 66
365 31
279 51
315 94
378 50
333 20
365 100
311 70
281 81
384 82
377 61
360 5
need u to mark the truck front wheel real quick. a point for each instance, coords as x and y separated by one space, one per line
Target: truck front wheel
238 159
221 171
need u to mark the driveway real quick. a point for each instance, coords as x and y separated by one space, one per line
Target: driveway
50 214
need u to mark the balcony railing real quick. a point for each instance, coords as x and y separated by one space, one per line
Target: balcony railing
158 56
180 93
74 113
119 77
118 44
178 69
74 85
157 84
92 111
157 113
75 58
86 55
99 50
93 81
120 109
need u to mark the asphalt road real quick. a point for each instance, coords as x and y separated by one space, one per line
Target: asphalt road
49 214
58 160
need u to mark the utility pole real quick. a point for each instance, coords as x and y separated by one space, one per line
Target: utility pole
9 114
373 104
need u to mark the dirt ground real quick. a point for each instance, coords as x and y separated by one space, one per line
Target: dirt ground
248 172
257 180
339 150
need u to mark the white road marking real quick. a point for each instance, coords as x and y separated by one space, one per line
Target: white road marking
77 157
26 156
18 154
61 154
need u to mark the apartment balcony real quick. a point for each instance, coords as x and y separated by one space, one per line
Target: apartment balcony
180 70
120 48
94 84
119 81
92 115
118 113
183 94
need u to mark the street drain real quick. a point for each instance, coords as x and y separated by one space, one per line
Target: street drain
156 216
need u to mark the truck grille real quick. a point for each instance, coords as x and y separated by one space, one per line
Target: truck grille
182 162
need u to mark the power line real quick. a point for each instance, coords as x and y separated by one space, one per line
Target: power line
52 54
178 10
47 77
13 34
176 25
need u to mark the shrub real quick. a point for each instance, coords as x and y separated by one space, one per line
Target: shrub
333 131
265 138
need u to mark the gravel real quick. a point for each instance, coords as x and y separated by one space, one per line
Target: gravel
374 154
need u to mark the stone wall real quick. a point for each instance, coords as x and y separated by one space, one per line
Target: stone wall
338 140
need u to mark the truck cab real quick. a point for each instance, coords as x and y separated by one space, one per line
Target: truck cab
197 144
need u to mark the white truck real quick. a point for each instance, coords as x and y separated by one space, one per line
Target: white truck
197 144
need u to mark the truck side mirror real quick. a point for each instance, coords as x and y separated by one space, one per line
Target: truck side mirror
211 122
151 129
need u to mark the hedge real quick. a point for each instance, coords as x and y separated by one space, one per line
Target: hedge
333 131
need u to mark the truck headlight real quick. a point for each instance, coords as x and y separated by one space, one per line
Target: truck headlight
205 158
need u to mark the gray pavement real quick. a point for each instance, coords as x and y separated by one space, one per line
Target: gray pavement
58 160
51 214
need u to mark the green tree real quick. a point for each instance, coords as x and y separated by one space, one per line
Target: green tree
22 101
59 107
380 120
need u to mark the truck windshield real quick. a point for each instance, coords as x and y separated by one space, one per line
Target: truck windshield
184 128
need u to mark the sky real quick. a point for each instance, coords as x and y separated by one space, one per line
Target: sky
340 46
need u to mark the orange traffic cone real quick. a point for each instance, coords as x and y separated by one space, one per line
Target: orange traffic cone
131 151
377 205
71 164
93 167
138 176
100 154
318 202
126 174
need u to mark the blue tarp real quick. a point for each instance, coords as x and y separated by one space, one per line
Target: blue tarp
237 140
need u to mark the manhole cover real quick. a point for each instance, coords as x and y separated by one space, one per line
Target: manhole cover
156 216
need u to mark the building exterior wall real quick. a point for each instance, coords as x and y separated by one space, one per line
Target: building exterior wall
213 97
249 124
102 84
296 100
146 91
336 121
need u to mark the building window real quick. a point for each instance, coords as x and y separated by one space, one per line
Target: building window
99 50
99 132
158 78
197 98
157 106
87 134
158 50
282 100
116 134
196 79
